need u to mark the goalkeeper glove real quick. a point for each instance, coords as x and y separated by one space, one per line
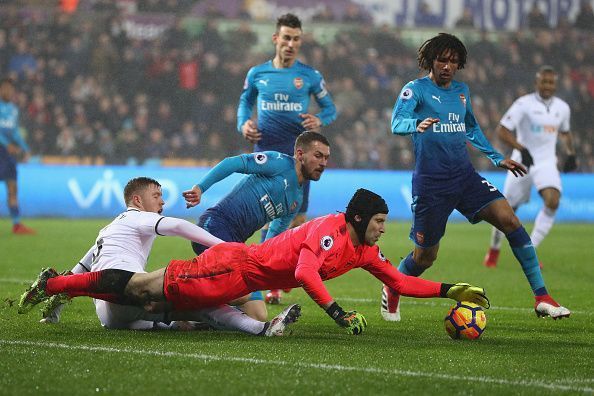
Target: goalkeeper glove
465 292
352 321
526 157
570 163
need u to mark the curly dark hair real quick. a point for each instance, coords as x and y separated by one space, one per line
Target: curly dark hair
288 20
436 46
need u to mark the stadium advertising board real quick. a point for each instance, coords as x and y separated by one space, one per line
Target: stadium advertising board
488 14
96 191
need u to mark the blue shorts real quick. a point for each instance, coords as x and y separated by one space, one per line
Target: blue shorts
217 227
8 165
431 211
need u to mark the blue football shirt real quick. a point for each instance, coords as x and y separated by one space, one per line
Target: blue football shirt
270 192
281 95
441 152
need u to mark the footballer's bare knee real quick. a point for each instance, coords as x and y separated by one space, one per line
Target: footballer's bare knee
425 257
144 288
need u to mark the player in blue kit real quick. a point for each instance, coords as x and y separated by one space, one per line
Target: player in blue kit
12 146
436 111
272 192
281 88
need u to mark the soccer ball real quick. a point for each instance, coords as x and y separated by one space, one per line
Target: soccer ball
465 320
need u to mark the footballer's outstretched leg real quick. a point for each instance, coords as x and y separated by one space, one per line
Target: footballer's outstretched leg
36 292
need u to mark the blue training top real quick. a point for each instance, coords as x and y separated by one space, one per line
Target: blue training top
270 192
282 95
440 151
9 126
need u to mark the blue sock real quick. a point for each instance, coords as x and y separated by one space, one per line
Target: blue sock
263 233
521 246
14 214
409 267
256 296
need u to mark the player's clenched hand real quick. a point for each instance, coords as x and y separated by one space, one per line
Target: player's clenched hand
192 196
311 122
466 292
250 132
426 123
352 321
514 167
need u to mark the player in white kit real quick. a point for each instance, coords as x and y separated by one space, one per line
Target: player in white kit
538 119
126 243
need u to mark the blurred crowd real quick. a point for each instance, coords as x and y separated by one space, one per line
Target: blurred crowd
87 90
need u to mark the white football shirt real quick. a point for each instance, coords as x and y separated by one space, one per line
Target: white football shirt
126 242
537 122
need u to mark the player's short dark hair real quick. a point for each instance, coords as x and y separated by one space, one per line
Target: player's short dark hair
435 46
288 20
546 69
305 139
136 185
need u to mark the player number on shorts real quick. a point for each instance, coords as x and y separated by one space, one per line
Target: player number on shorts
97 250
491 187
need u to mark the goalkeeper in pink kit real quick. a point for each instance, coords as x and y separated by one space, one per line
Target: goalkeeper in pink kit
306 256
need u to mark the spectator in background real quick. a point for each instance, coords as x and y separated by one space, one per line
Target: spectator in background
22 62
324 15
536 19
425 18
585 17
354 14
188 70
466 20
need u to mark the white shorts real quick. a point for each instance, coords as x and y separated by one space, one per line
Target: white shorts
542 175
115 316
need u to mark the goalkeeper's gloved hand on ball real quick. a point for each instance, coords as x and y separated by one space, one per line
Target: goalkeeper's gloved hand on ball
352 321
465 292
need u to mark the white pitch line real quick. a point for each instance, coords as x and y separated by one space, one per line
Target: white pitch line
448 303
364 300
305 365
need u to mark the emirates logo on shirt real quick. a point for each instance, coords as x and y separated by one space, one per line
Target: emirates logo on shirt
298 82
463 99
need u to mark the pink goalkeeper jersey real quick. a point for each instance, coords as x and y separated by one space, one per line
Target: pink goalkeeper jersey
319 250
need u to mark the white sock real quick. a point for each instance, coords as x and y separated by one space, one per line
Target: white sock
542 225
226 317
496 237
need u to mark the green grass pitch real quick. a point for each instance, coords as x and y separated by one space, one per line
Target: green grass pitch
517 354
